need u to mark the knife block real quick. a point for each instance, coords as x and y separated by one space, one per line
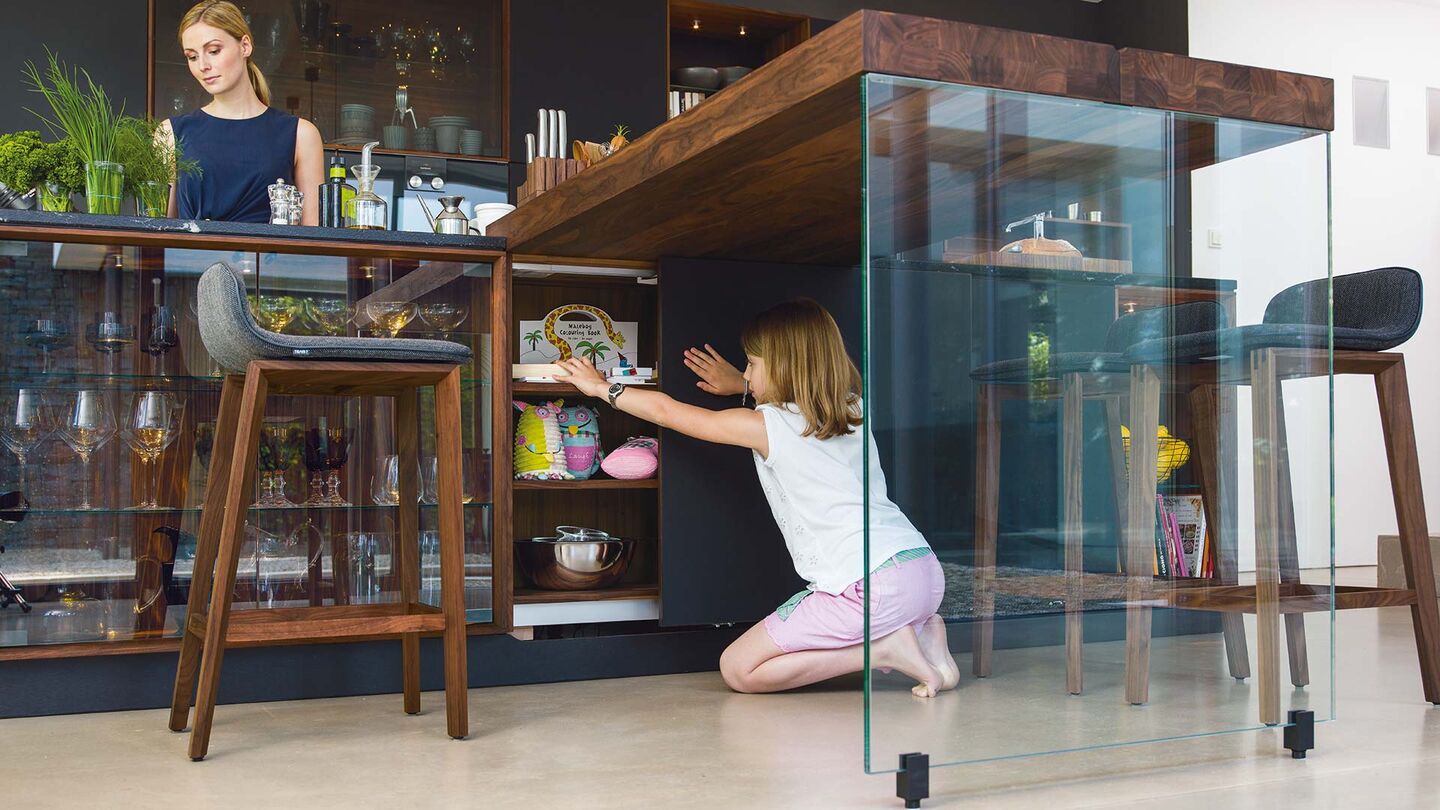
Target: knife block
545 173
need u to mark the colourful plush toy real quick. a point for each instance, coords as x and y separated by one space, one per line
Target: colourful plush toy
580 435
539 451
633 459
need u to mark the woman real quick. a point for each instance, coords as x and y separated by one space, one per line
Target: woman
242 144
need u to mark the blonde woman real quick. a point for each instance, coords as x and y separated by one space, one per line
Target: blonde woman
810 453
241 142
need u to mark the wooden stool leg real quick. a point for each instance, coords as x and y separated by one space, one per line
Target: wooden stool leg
1399 427
407 551
207 547
1140 530
238 492
987 507
1217 488
1289 549
452 551
1114 418
1074 460
1264 385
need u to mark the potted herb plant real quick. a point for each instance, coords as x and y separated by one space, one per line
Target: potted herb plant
151 163
87 117
54 169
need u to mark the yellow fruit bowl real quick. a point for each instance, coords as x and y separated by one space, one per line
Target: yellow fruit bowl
1171 453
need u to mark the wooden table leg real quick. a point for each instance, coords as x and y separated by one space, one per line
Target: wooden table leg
239 490
1214 454
1264 385
1289 546
448 441
987 507
1074 461
1140 530
407 549
206 549
1399 427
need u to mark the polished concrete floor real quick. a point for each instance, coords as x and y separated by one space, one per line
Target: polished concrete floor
685 741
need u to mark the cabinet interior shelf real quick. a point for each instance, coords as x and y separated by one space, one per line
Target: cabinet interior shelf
110 512
531 596
591 484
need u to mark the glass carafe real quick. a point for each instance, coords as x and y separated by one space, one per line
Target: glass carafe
371 212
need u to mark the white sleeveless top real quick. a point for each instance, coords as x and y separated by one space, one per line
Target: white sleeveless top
815 488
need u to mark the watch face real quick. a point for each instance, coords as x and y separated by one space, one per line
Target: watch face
616 388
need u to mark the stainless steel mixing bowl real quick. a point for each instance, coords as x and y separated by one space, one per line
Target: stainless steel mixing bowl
574 565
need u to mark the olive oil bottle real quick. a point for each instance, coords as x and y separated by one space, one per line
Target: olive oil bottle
337 197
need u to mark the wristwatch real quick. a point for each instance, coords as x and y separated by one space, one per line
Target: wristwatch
614 392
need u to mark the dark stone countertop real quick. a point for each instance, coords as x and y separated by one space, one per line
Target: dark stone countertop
249 230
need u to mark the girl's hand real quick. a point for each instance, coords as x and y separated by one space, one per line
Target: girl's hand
582 374
716 374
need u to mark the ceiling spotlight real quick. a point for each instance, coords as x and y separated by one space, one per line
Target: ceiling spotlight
695 24
742 30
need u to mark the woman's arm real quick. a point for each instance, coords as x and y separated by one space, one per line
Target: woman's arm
309 169
741 427
166 136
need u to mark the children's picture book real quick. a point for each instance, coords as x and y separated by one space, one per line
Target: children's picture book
1189 517
580 330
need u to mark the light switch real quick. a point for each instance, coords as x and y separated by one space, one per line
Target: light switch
1215 239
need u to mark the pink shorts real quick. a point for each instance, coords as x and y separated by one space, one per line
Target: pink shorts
903 593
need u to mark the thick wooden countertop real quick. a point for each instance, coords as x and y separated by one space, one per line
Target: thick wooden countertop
770 168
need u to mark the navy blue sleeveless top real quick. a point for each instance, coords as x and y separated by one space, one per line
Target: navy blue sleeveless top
238 159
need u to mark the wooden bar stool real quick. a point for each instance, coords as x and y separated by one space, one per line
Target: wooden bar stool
1373 311
320 366
1074 378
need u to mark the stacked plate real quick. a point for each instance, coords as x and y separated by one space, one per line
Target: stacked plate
472 142
447 131
356 123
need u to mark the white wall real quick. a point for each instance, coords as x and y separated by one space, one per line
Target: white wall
1386 212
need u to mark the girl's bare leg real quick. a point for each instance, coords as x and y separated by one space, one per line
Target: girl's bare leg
935 643
754 664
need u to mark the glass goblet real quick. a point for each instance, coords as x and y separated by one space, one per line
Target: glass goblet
28 420
337 452
316 463
389 317
164 334
89 424
47 334
444 317
274 312
328 315
153 424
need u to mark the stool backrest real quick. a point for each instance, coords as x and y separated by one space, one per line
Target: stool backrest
1164 322
1385 302
227 329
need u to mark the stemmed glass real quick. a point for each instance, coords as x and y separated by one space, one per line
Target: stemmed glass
389 317
329 315
317 461
444 317
28 420
279 447
275 312
88 425
337 452
154 423
47 334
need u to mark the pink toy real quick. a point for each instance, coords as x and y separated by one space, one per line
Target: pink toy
632 460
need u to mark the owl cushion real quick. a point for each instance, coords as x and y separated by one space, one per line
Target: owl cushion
580 435
634 459
539 450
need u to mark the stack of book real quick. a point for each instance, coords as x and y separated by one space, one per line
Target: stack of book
631 375
550 372
1182 542
681 100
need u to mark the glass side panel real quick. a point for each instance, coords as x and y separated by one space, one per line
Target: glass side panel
106 549
1130 509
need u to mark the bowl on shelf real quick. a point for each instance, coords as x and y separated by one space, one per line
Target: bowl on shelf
702 78
556 564
732 74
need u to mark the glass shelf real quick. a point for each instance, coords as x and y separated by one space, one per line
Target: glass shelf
195 510
81 378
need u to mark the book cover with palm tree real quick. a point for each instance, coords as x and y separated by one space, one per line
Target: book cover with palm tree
581 330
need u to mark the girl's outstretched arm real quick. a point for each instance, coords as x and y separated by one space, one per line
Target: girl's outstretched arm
738 426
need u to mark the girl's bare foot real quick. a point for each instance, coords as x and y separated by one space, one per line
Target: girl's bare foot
935 643
901 650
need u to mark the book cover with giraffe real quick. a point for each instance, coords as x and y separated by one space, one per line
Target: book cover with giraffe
580 330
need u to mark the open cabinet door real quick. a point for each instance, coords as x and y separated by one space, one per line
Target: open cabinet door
721 555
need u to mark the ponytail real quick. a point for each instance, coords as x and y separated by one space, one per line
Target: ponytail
257 81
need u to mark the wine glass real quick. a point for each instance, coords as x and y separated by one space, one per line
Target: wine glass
329 315
444 317
164 334
280 446
274 312
88 425
28 420
337 452
390 317
317 461
153 424
385 484
47 334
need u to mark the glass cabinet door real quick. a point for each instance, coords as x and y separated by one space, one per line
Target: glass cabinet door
110 403
434 70
1130 504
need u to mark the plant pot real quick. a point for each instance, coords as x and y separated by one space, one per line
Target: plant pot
152 199
104 186
54 198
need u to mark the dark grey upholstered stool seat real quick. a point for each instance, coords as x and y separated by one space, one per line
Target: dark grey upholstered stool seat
233 338
320 366
1073 377
1373 311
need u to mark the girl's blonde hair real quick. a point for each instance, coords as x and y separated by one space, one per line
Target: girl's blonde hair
227 16
806 363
